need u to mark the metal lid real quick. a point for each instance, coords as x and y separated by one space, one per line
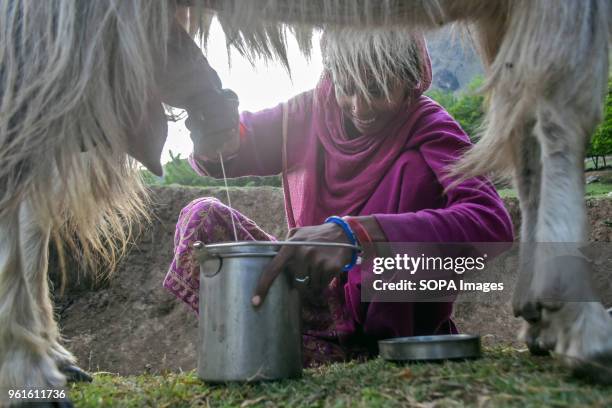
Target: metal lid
443 347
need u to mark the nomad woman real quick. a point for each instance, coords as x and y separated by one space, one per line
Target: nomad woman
369 150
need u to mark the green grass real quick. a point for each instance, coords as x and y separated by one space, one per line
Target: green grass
598 189
592 190
507 192
504 377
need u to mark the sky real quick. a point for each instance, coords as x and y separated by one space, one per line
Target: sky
258 87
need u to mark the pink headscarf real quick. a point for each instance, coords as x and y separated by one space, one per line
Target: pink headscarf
326 173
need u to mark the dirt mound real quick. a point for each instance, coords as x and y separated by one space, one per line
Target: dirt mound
131 325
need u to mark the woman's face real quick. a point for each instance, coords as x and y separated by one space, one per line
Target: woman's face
370 117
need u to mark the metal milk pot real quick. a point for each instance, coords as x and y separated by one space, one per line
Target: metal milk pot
238 342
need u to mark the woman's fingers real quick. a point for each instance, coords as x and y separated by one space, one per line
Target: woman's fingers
319 264
209 146
268 276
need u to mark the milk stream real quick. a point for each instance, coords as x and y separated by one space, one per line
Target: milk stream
229 203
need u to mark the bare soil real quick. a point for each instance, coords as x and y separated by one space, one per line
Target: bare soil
130 325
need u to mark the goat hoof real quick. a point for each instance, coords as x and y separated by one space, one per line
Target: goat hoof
530 334
536 350
75 374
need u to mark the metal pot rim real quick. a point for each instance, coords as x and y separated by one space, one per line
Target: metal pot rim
261 247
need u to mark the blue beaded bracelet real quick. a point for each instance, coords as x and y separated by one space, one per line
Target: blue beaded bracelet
349 234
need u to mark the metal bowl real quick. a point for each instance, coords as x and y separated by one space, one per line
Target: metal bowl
431 348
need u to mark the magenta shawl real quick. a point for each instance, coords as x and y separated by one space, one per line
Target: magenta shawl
330 169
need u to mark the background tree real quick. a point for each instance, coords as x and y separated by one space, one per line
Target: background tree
601 142
466 108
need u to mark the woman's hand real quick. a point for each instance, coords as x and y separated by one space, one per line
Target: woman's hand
319 264
209 147
217 131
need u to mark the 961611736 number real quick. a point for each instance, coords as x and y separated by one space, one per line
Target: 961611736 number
36 394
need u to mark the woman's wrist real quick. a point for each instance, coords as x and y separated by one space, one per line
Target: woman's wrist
366 242
350 235
371 226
